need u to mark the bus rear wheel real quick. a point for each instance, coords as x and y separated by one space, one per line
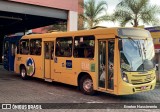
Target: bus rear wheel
23 73
86 85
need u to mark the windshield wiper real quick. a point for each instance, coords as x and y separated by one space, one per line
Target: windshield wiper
144 50
140 50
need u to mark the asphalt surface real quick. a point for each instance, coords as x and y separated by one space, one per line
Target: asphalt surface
15 90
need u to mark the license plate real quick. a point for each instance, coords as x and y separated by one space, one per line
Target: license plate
143 87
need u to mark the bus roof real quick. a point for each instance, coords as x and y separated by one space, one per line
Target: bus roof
98 31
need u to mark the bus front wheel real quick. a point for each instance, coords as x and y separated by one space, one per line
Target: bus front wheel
86 85
23 73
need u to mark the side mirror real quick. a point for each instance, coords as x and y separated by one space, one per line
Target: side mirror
120 45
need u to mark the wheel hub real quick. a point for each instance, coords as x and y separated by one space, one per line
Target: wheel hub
23 73
87 85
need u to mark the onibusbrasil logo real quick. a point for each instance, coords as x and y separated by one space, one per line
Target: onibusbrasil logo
30 66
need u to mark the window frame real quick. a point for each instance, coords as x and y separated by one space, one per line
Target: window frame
84 36
40 47
59 38
28 47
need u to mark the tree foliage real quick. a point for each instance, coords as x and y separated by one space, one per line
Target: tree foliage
61 26
94 13
134 11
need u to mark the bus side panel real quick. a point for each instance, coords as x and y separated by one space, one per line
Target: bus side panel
38 66
11 55
69 75
86 66
18 61
64 74
37 63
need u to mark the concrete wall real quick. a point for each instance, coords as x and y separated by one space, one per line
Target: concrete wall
72 21
155 33
70 5
59 4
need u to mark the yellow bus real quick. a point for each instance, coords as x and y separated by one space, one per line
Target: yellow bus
118 61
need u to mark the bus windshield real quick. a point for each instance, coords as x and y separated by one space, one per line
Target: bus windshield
137 54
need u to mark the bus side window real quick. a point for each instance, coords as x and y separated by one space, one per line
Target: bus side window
111 64
64 47
46 46
24 46
35 46
84 47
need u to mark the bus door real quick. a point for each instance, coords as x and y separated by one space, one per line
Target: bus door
106 64
48 59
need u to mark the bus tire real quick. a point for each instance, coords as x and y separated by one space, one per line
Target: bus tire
23 73
86 85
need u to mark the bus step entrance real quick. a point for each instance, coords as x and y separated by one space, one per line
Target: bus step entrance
48 80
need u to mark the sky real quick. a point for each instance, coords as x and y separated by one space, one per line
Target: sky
111 6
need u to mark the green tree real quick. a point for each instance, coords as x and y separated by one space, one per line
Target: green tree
135 11
94 13
61 26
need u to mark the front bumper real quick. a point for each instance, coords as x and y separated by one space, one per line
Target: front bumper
126 88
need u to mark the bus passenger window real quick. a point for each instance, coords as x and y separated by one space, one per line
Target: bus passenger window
46 46
75 53
35 46
84 47
64 47
24 46
110 64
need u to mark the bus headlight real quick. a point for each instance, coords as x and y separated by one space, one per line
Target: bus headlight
124 77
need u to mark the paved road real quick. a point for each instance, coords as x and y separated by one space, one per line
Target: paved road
15 90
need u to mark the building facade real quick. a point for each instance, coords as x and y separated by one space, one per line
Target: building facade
155 33
71 6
